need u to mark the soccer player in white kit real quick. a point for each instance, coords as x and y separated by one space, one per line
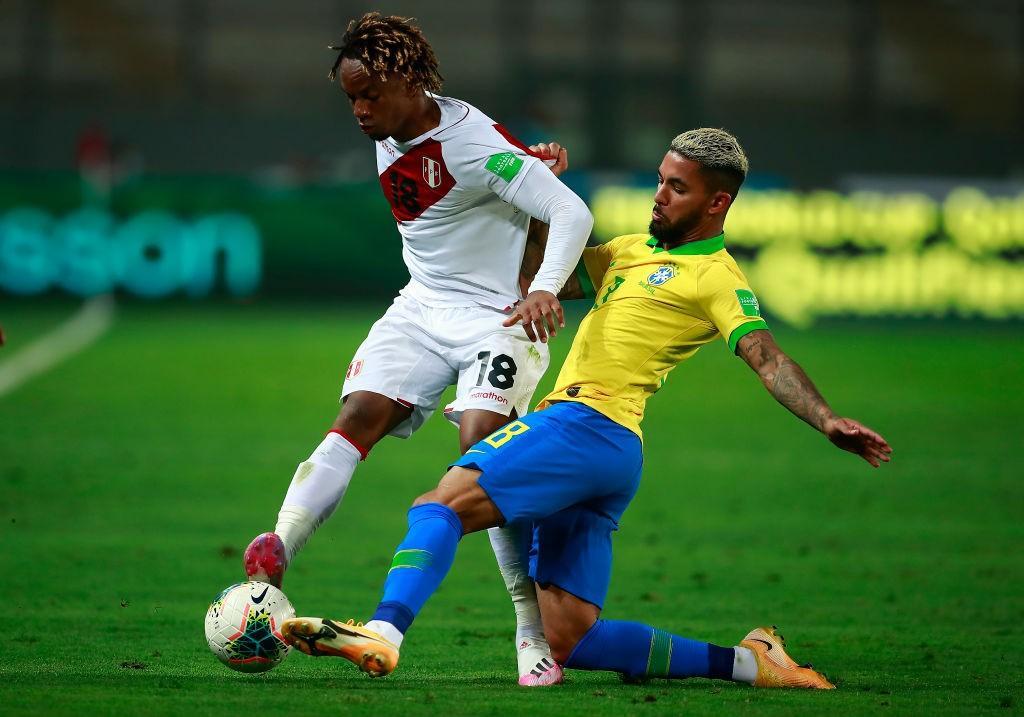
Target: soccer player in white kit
463 191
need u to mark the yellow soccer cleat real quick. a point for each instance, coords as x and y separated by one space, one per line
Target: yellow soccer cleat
370 652
775 668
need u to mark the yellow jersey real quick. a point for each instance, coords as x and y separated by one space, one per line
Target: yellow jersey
653 309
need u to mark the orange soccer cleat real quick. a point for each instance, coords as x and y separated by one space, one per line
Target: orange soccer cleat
318 637
775 668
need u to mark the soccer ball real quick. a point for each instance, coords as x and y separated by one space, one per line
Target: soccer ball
243 626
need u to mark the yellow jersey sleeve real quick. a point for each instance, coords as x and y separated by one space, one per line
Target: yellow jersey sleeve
596 260
728 302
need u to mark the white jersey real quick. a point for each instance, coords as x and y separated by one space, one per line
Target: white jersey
451 191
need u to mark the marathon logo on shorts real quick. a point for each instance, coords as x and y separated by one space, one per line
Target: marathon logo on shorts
490 396
354 368
431 173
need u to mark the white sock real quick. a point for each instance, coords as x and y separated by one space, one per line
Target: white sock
317 487
511 545
386 630
744 665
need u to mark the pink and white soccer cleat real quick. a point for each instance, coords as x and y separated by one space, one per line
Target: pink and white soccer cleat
544 674
266 559
536 667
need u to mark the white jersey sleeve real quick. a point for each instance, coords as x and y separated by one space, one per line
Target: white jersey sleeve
543 196
488 160
497 162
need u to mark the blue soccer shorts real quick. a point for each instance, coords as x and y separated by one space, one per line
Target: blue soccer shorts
571 471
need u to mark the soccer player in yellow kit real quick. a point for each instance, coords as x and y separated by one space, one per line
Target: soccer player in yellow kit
573 467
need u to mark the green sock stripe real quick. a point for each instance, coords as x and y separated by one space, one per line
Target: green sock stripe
419 559
660 656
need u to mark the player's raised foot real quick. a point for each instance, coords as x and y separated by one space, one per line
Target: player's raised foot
318 637
266 559
536 666
775 668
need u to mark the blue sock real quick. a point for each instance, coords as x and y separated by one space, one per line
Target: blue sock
420 563
637 651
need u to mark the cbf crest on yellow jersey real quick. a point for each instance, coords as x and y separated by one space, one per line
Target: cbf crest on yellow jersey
652 310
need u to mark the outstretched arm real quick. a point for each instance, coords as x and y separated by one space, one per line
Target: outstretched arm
791 387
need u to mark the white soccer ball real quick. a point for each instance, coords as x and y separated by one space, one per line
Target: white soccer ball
243 626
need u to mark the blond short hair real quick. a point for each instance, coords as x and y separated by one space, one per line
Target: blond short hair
715 150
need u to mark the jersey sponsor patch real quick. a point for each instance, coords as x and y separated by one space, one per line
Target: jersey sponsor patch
748 302
505 165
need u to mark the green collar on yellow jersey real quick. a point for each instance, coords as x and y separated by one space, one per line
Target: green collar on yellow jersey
704 246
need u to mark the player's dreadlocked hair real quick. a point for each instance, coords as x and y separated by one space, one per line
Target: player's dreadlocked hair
389 44
718 152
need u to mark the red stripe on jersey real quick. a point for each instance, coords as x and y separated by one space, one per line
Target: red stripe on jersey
511 139
416 181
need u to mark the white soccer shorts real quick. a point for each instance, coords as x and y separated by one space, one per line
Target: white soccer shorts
414 352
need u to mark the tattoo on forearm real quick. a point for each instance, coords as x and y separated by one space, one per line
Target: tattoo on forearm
784 379
793 389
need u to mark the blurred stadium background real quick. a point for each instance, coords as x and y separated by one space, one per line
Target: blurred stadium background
888 133
191 158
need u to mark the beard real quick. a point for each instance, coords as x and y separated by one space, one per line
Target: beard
671 232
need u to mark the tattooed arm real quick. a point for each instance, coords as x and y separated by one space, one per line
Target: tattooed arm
784 379
791 387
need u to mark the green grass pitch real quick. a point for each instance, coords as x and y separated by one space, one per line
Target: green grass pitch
132 476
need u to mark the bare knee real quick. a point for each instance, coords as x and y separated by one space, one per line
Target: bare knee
476 424
459 491
367 412
429 497
367 417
